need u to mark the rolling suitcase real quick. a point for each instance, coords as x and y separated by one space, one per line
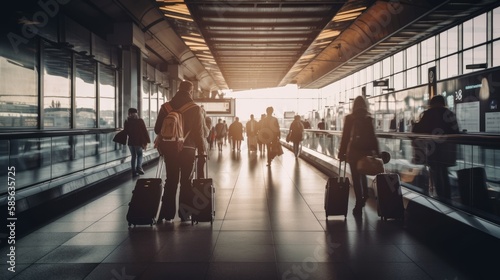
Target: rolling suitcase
337 194
203 196
389 197
146 196
473 188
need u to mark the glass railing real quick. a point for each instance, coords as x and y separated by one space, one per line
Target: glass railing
474 177
43 156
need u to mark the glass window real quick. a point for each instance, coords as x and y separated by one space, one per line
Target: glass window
85 93
18 85
146 90
398 62
411 77
376 71
411 56
398 81
154 104
386 67
107 89
468 34
480 29
496 53
56 87
428 48
496 23
448 42
474 56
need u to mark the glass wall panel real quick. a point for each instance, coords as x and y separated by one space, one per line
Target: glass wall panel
376 71
107 97
85 93
146 91
474 56
411 56
480 30
496 53
398 62
154 104
67 155
18 85
56 87
411 77
428 49
386 67
468 34
496 23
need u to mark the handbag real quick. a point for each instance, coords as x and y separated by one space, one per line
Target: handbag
120 137
370 165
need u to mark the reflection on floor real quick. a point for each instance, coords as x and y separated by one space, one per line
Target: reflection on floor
270 224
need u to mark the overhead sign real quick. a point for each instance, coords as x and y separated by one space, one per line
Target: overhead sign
381 83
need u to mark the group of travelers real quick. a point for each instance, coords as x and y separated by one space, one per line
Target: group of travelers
264 135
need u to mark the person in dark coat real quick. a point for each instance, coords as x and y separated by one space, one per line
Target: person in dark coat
440 154
181 163
353 147
296 133
138 139
236 134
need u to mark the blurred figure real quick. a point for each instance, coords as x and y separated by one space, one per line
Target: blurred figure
251 128
226 130
296 134
358 140
236 134
220 133
211 134
272 126
138 139
321 124
439 120
262 146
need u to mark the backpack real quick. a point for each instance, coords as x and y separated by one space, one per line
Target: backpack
172 129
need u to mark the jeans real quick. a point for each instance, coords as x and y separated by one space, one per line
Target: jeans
296 148
359 184
136 162
179 166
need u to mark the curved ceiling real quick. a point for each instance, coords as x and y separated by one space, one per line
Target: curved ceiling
250 44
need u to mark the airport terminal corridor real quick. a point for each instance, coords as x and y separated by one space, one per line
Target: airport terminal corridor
270 224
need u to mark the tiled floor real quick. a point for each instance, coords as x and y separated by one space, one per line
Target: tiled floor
270 224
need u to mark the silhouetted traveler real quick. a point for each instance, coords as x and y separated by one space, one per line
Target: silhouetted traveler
236 134
296 134
262 146
138 139
251 128
358 140
272 128
181 162
440 154
220 133
321 124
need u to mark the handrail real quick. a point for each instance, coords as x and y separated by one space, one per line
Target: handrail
53 133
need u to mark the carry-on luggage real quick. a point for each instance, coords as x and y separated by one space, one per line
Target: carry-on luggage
146 196
203 196
337 194
389 197
473 188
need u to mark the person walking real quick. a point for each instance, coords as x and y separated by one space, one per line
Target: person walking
440 154
236 134
358 140
295 134
138 139
220 133
260 124
251 128
272 128
180 164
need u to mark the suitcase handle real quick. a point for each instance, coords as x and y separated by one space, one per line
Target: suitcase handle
203 157
340 168
159 169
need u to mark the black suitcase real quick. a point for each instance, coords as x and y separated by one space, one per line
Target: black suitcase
337 194
473 188
389 197
203 196
146 197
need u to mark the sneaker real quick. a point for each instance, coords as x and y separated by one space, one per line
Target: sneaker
140 171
